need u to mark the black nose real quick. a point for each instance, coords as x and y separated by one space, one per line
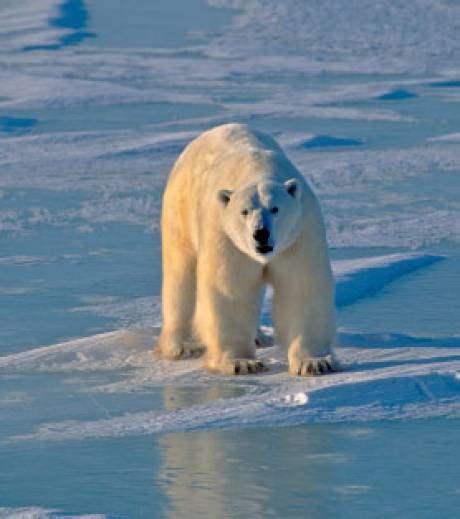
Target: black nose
261 235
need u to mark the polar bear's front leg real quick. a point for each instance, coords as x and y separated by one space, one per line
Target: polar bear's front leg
226 318
227 327
304 314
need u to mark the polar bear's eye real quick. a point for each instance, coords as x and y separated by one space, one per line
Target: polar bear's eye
274 210
244 212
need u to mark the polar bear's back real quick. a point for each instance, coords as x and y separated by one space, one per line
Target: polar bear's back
228 157
227 139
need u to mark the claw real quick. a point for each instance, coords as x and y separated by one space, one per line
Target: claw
314 366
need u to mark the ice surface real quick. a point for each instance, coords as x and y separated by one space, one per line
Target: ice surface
417 379
90 127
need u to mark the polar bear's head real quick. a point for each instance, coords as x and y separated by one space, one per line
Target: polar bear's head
263 219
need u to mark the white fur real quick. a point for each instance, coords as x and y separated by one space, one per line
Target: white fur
213 274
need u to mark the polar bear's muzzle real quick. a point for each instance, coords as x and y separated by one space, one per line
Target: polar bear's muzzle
261 237
264 249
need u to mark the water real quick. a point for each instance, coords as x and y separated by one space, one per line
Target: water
316 471
96 101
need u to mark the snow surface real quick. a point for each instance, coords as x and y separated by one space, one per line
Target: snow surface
120 100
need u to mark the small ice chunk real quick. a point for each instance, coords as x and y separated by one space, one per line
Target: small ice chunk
296 399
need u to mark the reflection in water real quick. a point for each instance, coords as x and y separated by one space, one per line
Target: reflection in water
245 472
180 397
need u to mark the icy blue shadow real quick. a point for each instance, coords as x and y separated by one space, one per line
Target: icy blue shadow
329 141
397 95
368 281
73 15
363 278
16 124
452 83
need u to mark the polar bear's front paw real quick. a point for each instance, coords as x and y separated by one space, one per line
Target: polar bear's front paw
312 366
237 366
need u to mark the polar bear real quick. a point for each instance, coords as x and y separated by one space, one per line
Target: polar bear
238 215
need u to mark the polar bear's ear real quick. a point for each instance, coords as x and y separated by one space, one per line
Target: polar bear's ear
224 196
292 187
